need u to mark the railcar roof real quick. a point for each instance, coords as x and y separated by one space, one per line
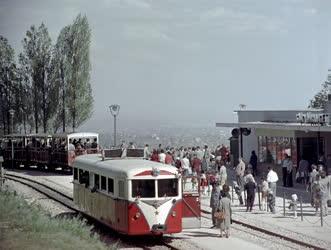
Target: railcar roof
14 135
126 168
78 134
41 135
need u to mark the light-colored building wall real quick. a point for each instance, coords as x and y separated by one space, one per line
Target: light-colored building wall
250 143
270 115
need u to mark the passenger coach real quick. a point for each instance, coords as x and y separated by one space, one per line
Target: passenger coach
130 195
44 150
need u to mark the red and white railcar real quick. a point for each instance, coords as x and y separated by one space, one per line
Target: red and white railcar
133 196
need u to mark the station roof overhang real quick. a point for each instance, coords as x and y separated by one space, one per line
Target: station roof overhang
277 126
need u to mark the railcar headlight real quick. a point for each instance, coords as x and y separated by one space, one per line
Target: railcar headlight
173 213
137 215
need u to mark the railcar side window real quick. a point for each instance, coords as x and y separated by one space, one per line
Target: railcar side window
75 174
143 188
81 176
84 177
103 183
96 181
167 187
87 178
121 188
110 185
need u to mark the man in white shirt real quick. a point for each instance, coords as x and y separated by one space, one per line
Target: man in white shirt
272 179
147 153
186 165
162 156
240 171
287 171
71 146
199 153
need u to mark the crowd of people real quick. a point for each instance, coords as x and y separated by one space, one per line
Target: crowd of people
191 160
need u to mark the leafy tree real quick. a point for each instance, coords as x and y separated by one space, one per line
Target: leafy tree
25 95
320 99
7 81
80 100
61 69
37 55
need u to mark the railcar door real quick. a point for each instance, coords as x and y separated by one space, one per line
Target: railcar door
191 202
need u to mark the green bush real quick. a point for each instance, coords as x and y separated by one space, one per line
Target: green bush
24 226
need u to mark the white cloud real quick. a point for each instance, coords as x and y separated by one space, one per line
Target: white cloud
236 20
310 12
147 33
138 3
128 3
213 13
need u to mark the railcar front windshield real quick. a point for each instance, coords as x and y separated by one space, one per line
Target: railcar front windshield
147 188
143 188
167 187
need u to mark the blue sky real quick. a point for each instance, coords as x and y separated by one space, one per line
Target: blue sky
191 62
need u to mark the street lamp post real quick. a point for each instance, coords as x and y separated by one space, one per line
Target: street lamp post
114 110
11 126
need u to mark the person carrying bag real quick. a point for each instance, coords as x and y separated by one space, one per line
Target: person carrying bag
219 215
224 215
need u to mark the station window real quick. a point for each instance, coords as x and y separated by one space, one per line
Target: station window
110 185
103 183
121 188
143 188
97 181
167 187
75 174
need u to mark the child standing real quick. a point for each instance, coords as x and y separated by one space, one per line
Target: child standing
203 180
264 191
271 201
294 204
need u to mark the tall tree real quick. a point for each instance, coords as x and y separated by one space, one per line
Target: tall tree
7 83
25 95
60 72
80 101
320 99
37 53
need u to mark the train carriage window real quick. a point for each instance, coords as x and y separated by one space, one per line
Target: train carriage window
87 178
81 176
96 181
84 177
167 187
143 188
103 183
75 174
121 188
110 185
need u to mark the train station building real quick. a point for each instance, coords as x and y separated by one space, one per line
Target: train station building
274 133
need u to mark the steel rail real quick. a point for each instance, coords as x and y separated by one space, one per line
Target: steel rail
41 184
69 203
262 230
43 190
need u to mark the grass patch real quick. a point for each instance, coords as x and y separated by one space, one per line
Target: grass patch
24 226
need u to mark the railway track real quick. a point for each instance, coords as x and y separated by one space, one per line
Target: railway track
270 233
102 229
67 201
